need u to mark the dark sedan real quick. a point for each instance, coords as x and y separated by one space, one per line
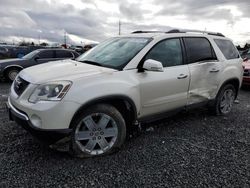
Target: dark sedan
9 68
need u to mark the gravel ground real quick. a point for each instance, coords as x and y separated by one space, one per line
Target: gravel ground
191 149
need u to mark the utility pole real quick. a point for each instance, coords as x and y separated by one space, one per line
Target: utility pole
65 38
119 27
39 38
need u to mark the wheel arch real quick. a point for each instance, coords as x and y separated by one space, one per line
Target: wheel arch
235 82
12 66
123 104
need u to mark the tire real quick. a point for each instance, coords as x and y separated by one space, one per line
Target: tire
224 100
99 130
11 74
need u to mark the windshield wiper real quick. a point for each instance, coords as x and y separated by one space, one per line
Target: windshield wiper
91 62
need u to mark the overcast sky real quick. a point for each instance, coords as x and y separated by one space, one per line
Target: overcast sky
98 19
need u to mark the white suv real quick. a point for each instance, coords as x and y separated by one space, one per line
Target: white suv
93 101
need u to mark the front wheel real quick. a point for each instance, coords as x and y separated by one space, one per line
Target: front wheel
99 130
11 74
224 100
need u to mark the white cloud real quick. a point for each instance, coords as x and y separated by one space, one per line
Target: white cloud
98 19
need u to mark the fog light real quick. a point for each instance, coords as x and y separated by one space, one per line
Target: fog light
36 121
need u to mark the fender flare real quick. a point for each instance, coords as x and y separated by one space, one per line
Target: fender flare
10 66
106 98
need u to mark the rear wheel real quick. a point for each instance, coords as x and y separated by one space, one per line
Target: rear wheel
99 130
224 100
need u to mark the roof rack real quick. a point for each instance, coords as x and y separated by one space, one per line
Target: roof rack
195 31
135 32
181 31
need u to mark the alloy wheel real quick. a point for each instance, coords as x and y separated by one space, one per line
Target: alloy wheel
96 133
227 100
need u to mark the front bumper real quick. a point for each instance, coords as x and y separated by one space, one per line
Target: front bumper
49 137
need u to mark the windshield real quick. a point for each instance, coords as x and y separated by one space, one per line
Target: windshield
115 52
30 55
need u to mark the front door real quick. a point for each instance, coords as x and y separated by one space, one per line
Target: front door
164 91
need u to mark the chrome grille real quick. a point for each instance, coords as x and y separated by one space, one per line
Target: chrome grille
20 85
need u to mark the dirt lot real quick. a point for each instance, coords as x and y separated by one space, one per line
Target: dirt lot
191 149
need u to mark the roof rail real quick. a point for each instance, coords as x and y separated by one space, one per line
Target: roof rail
181 31
194 31
135 32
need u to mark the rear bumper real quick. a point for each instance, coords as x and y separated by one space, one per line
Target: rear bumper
246 80
49 136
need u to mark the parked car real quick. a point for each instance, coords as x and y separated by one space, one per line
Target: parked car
246 54
9 68
14 51
78 49
92 102
246 75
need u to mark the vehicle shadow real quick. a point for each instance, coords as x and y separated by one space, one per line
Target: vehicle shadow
245 88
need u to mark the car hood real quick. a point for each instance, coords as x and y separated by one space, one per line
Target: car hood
246 64
11 61
62 70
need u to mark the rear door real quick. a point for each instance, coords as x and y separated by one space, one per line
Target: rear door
204 69
164 91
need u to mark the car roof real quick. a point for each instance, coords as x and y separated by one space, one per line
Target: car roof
50 49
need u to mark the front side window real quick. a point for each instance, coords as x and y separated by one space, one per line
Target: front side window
198 49
46 54
31 54
115 52
227 48
168 52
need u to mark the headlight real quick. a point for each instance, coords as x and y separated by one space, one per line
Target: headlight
53 91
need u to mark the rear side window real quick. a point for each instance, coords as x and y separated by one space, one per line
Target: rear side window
46 54
227 48
63 54
198 49
75 54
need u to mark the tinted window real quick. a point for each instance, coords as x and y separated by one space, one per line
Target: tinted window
46 54
198 49
63 54
227 48
168 52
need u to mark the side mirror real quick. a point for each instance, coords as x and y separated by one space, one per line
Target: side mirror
153 65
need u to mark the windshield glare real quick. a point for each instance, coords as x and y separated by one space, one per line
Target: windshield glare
30 55
115 52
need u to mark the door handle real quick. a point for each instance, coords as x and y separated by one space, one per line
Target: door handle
182 76
214 70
